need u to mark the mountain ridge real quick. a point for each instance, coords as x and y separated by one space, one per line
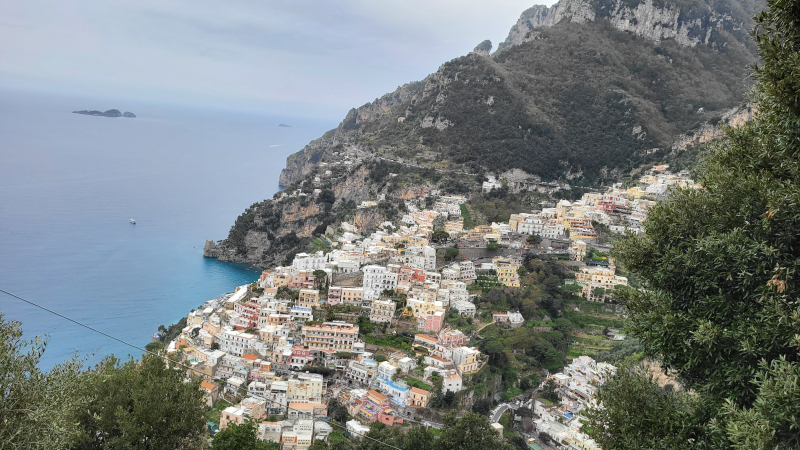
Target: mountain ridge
573 104
710 46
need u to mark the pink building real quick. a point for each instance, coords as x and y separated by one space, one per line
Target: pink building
432 323
249 314
452 338
334 295
302 280
301 356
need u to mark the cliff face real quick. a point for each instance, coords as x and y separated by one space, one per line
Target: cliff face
585 91
711 131
688 23
299 165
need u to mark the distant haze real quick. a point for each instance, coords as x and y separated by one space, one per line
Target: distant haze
309 58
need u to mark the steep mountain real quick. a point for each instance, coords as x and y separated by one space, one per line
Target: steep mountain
586 91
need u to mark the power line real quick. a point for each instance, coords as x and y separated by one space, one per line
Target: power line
187 367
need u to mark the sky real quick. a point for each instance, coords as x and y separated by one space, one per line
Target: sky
311 58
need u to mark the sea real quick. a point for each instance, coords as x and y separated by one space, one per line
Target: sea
69 185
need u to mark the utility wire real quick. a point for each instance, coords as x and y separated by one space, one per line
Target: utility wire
188 367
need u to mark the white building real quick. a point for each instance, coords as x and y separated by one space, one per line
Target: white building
235 342
301 313
464 308
303 262
452 383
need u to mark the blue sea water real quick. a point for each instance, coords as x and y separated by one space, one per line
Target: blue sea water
70 183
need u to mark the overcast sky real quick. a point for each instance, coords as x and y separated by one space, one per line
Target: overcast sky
312 58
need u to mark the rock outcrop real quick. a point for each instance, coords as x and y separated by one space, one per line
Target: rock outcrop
300 164
689 24
484 48
710 131
109 113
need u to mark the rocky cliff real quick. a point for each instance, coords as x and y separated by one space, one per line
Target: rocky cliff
299 164
584 92
590 87
687 22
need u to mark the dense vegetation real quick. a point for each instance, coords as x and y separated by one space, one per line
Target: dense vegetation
470 432
720 265
134 405
571 101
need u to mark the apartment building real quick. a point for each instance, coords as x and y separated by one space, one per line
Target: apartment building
382 311
466 359
431 323
418 397
309 298
352 296
507 272
337 336
334 295
378 278
235 342
305 387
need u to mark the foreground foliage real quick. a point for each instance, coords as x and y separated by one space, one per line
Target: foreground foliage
471 432
133 405
35 406
720 267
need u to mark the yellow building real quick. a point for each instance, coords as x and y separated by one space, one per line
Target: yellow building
454 227
466 359
352 295
308 298
281 279
507 271
418 398
307 387
337 336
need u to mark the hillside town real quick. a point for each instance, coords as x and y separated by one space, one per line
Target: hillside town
362 322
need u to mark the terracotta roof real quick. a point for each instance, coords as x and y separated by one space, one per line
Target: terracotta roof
419 391
377 394
250 357
208 386
305 406
425 336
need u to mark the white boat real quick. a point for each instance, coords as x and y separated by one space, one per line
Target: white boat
133 221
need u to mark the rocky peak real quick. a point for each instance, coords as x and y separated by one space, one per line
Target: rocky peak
484 48
689 23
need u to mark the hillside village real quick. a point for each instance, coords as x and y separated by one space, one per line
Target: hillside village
370 323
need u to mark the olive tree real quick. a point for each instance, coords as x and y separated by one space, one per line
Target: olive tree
719 267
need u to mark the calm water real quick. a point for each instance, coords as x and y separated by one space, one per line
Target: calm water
70 183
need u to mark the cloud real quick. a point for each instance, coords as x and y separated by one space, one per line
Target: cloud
313 57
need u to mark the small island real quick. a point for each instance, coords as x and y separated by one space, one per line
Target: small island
109 113
284 125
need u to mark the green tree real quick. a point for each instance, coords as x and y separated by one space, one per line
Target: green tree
719 265
142 405
239 437
154 346
663 420
320 278
534 240
550 391
450 254
440 236
37 409
482 406
471 432
336 411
